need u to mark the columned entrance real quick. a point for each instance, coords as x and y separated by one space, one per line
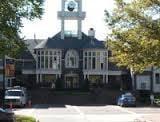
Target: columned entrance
71 81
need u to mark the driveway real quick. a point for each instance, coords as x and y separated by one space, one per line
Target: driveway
88 113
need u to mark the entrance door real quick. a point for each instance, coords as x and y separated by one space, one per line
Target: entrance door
71 82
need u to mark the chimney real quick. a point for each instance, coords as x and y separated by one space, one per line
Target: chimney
91 32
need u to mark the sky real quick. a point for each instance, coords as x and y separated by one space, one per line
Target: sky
49 25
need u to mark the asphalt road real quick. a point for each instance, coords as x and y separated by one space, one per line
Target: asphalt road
71 113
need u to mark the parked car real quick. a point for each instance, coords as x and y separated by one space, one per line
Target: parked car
18 87
17 96
7 116
126 99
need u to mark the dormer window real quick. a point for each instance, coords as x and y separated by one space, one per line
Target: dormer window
71 59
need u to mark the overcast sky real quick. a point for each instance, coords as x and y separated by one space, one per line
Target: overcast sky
49 25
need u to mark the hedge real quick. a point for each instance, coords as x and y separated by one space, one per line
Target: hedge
25 119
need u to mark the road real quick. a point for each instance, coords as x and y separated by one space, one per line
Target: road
71 113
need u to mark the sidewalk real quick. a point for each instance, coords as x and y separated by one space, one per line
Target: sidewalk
152 117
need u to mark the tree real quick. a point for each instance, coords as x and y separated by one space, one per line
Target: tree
135 36
12 12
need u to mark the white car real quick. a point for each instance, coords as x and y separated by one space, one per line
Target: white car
16 97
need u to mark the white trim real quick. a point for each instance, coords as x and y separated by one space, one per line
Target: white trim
48 71
103 72
26 72
94 72
37 78
116 72
89 49
72 75
40 77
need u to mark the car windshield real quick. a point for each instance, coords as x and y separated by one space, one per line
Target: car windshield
127 96
13 93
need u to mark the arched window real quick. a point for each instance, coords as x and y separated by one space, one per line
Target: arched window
71 59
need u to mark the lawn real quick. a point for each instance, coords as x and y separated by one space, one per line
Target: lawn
25 119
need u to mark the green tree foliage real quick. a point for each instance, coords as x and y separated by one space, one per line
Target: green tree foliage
11 14
135 36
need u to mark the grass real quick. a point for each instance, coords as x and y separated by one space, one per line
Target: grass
25 119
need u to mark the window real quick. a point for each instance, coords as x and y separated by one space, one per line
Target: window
42 61
54 62
85 63
157 78
93 63
89 63
95 60
46 61
49 59
102 66
72 59
38 61
51 62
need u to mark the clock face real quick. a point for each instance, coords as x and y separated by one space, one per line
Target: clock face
71 5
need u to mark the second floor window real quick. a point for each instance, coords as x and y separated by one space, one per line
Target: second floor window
71 59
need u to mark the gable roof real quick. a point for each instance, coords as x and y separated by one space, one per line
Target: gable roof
31 44
70 42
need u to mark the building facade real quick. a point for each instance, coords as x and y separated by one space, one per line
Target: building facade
71 57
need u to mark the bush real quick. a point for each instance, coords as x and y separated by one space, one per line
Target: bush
157 100
59 84
25 119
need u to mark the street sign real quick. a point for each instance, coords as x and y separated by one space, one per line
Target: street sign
9 68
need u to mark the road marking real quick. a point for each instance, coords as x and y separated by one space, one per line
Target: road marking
84 117
125 110
78 111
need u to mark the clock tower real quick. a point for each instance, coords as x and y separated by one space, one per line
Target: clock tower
71 10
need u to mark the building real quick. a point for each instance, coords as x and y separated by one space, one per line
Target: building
73 59
148 81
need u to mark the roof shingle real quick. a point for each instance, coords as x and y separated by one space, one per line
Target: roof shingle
71 42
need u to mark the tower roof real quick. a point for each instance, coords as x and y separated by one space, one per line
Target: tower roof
71 42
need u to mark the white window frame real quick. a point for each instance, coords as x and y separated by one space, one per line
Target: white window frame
100 57
48 65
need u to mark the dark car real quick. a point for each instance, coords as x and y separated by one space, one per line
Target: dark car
6 116
126 99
